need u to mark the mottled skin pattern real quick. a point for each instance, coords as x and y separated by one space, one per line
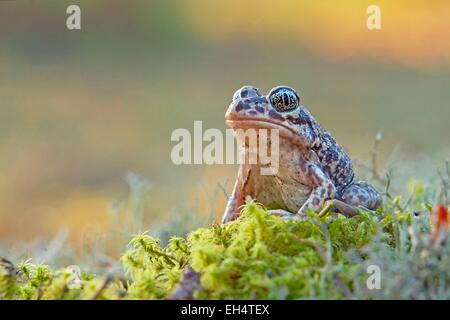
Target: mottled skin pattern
313 168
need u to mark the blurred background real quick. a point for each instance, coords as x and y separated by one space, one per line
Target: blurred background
86 116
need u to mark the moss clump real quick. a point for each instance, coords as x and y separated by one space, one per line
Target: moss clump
257 256
153 270
260 256
34 281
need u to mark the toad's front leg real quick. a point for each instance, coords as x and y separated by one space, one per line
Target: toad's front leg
323 188
237 198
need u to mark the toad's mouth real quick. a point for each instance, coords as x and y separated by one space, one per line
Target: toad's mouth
256 123
245 123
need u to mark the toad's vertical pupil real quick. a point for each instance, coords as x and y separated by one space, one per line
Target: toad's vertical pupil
286 99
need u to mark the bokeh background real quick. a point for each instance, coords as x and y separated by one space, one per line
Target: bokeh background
86 116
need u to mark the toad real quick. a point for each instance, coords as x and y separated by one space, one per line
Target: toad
314 170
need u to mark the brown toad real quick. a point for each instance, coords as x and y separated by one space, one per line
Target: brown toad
313 168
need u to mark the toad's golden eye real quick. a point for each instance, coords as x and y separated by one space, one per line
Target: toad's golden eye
284 98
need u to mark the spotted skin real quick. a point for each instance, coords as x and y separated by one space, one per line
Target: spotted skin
313 168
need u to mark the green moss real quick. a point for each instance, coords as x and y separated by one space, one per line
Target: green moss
258 256
265 257
153 270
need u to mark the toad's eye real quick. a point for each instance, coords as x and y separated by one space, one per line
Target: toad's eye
284 98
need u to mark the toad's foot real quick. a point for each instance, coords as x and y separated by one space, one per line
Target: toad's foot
346 209
286 215
330 205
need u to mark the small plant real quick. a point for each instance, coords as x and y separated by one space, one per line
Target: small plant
261 256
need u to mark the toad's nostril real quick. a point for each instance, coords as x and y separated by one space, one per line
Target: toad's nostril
246 92
284 98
